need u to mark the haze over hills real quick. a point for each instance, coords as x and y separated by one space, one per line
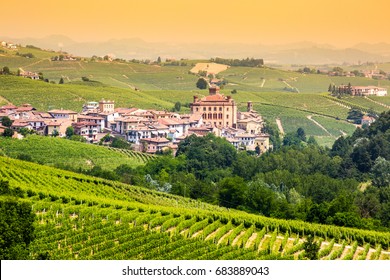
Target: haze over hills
304 52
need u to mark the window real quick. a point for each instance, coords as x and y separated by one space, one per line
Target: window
204 108
197 109
227 116
220 108
215 108
227 109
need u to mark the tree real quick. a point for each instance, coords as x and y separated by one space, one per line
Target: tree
69 131
6 70
301 134
177 106
8 132
120 143
330 88
61 81
311 248
55 133
381 172
232 192
159 60
201 83
312 141
6 121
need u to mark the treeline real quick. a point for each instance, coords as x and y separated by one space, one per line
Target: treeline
247 62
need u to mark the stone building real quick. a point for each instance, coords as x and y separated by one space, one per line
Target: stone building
216 109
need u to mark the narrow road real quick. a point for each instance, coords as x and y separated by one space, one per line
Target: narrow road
279 124
319 125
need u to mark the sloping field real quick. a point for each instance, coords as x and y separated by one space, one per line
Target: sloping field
211 67
82 217
61 152
46 96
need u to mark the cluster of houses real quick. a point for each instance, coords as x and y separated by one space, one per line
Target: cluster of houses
150 131
362 90
8 45
371 74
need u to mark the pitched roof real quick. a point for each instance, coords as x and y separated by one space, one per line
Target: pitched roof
215 97
156 140
62 112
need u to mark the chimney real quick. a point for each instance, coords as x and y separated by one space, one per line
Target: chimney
196 98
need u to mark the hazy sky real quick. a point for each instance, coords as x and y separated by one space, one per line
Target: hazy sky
338 22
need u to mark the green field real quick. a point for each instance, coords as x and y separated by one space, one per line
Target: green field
61 152
82 217
275 93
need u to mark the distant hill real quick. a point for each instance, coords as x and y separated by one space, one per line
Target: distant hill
300 52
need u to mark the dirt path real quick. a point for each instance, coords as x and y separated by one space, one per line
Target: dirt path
287 84
279 124
37 62
319 125
130 86
81 66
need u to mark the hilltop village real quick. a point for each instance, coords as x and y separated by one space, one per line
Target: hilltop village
149 131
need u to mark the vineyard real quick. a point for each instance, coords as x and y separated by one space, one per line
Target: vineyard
83 217
59 152
142 157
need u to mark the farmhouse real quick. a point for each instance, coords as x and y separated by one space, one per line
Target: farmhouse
363 90
30 75
216 109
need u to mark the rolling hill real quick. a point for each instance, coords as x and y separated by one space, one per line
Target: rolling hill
291 97
83 217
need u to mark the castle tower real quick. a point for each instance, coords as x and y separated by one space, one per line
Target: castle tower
106 106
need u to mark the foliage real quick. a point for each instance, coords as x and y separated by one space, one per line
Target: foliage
311 248
247 62
6 121
16 224
8 132
120 143
201 83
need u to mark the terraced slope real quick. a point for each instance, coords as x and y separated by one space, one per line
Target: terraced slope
82 217
61 152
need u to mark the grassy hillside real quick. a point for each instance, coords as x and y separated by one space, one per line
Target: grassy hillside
46 96
62 152
291 96
81 217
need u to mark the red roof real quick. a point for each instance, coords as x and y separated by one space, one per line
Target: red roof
215 97
156 140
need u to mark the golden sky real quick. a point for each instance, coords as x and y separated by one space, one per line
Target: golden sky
337 22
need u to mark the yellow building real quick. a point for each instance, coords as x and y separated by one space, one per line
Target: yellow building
216 109
106 106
